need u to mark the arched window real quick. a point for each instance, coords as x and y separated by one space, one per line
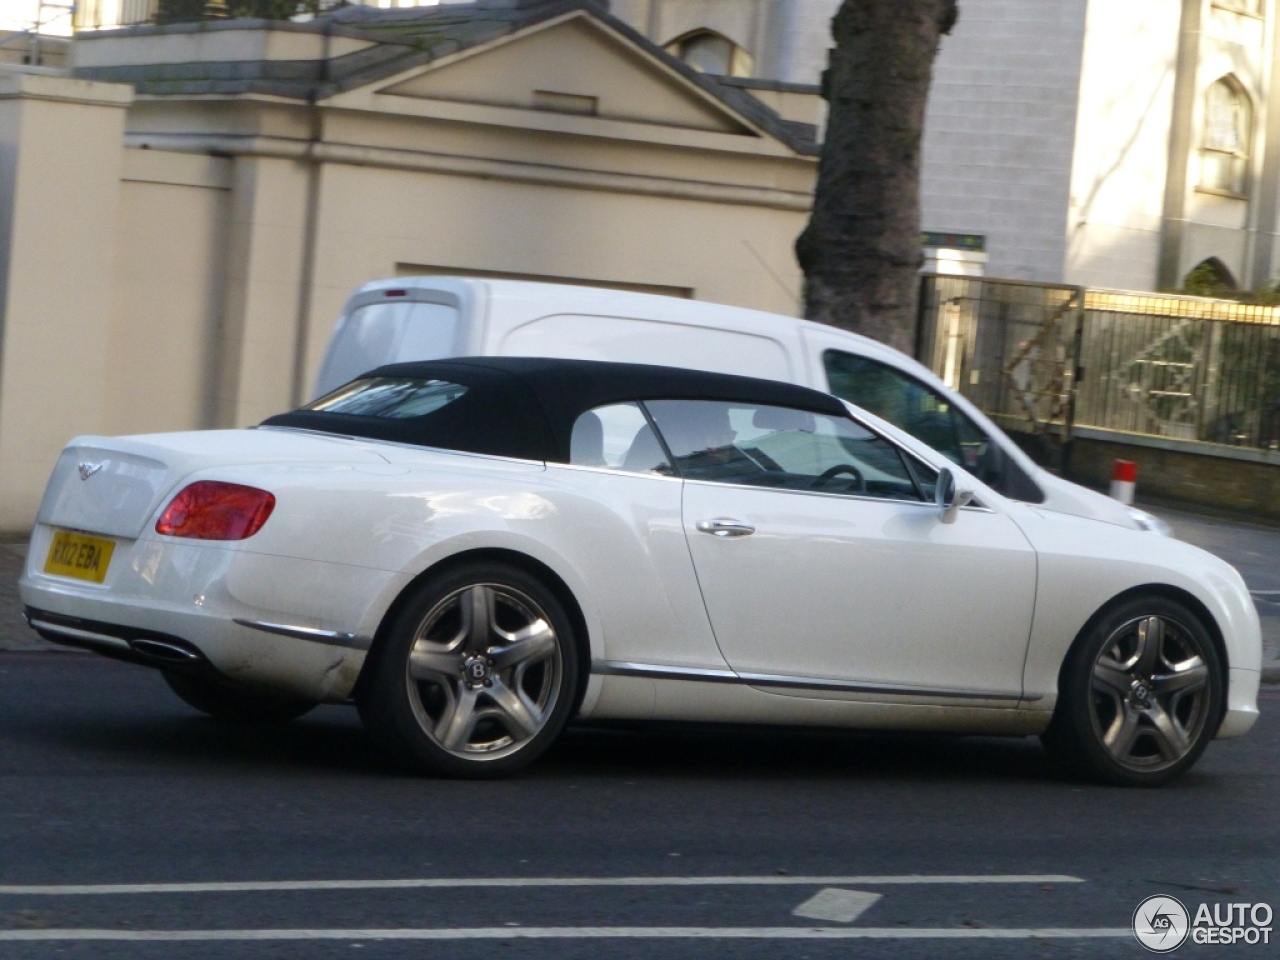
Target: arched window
1228 125
1210 278
710 52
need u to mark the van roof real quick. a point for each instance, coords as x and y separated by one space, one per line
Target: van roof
571 298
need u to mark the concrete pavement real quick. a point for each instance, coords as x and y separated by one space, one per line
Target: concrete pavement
14 634
1251 548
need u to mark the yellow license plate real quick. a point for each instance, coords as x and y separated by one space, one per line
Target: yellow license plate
79 556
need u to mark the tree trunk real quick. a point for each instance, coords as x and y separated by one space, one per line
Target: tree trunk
861 252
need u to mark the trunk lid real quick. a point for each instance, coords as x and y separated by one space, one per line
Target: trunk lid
113 485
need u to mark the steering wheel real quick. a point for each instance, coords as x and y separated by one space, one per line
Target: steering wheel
855 477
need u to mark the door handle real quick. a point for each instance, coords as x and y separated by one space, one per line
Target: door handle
724 527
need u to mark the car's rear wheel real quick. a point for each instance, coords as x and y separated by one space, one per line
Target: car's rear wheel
1140 695
476 674
232 703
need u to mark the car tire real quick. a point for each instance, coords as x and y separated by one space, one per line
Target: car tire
1140 694
232 703
475 676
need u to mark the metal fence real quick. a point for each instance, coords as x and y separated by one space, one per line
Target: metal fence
1042 358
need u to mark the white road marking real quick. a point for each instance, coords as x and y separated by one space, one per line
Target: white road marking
588 933
253 886
835 905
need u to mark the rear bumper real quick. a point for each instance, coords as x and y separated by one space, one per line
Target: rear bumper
307 670
303 668
133 645
291 626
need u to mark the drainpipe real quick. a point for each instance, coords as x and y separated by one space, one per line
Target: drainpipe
310 228
777 58
1173 222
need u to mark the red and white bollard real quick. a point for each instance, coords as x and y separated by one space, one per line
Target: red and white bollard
1124 480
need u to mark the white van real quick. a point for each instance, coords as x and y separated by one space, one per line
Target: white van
424 318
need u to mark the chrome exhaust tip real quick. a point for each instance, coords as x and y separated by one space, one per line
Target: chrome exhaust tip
172 651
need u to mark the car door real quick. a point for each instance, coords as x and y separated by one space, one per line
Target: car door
821 557
628 539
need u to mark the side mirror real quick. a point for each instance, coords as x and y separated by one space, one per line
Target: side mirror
948 498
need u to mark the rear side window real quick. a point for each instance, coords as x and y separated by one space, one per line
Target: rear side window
395 398
617 437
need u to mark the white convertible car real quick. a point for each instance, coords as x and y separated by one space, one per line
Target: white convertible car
477 551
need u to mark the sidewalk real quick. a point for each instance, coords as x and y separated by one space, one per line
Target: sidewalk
1251 549
14 633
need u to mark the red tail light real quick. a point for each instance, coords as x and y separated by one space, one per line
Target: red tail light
213 510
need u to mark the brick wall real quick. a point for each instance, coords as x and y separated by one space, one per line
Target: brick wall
1248 488
1000 131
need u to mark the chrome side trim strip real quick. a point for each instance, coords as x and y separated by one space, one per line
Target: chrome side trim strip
659 672
771 680
88 635
615 668
329 637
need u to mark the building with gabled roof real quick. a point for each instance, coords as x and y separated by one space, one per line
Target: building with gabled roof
184 211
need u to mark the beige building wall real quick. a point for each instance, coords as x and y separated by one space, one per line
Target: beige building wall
60 170
258 342
167 302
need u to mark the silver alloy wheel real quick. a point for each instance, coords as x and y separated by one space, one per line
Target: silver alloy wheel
1150 694
484 671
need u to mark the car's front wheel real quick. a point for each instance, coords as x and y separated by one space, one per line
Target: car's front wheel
1140 694
475 676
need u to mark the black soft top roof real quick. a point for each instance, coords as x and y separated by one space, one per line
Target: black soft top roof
525 407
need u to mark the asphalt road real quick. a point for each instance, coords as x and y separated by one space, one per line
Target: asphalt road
1254 551
651 841
106 779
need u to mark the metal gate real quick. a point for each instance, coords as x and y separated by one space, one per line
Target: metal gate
1010 347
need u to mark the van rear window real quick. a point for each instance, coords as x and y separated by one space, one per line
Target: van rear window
396 398
388 331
